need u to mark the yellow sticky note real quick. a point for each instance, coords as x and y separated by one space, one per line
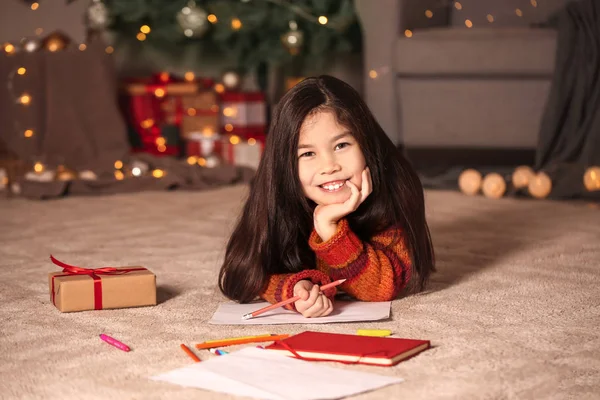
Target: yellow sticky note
374 332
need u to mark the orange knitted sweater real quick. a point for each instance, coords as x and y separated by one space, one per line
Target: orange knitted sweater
375 271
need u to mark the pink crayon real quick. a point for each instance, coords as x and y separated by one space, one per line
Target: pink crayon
114 342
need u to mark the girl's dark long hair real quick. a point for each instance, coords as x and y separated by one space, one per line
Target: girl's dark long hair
272 233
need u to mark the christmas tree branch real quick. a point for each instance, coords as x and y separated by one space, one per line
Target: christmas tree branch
296 9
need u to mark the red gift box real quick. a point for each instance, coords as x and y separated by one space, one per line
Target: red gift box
155 102
201 145
243 113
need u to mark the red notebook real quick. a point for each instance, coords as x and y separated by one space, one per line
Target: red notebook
370 350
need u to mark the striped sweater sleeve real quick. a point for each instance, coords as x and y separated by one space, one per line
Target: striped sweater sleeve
375 271
280 287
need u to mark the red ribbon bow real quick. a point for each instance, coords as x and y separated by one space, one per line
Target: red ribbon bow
70 270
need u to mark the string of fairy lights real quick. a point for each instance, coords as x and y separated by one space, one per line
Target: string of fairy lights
235 23
292 40
493 185
56 43
490 18
522 180
194 21
429 13
23 100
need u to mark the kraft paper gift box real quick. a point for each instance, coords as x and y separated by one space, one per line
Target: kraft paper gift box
81 289
203 101
176 108
204 124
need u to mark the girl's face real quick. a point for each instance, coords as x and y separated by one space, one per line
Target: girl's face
328 157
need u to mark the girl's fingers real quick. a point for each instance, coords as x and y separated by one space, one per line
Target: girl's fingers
304 305
367 184
314 294
333 212
301 291
353 201
328 310
320 306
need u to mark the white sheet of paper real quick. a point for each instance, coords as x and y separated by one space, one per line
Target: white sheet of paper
344 311
263 374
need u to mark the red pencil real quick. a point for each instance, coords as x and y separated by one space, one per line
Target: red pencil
288 301
189 352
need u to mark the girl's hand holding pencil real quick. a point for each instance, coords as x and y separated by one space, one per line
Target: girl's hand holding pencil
291 300
312 302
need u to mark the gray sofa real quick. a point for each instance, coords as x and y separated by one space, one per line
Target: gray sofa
448 85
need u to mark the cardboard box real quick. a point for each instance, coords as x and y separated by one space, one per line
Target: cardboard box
171 89
176 108
203 124
201 101
125 287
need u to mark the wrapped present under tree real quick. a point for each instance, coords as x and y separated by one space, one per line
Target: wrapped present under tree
204 149
206 125
242 151
244 113
158 108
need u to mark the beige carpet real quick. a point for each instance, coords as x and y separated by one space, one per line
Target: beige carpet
514 311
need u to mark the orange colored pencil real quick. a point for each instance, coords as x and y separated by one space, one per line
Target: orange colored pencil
190 353
288 301
215 344
238 338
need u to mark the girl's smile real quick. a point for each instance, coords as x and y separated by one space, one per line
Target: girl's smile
333 186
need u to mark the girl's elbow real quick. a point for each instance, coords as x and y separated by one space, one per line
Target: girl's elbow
387 297
380 293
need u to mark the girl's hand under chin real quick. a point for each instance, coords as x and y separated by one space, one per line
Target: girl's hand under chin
326 217
313 303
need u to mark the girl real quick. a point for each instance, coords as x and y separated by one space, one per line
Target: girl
332 198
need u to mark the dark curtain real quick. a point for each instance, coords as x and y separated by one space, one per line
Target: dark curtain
569 139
